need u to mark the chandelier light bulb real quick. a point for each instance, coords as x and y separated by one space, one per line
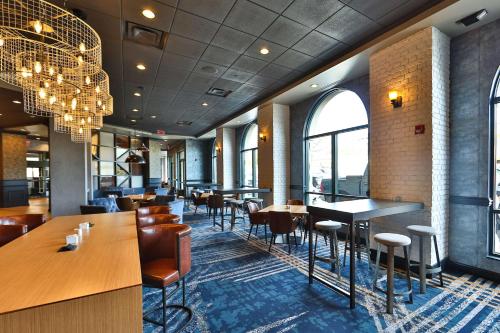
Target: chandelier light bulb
80 130
80 59
70 117
82 47
97 89
52 99
46 84
78 91
37 25
86 108
89 119
59 78
82 121
63 104
1 42
87 80
99 102
66 117
37 67
42 93
51 71
73 103
25 73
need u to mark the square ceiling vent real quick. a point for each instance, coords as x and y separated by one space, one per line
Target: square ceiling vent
218 92
143 35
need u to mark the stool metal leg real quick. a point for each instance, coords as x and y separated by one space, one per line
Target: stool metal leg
367 243
377 265
345 246
390 279
438 260
337 260
422 268
164 309
332 252
408 279
357 249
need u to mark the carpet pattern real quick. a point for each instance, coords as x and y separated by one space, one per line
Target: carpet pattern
238 286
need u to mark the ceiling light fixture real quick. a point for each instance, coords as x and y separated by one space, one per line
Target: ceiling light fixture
153 117
138 94
473 18
16 101
141 67
148 13
264 51
204 104
135 110
133 120
314 85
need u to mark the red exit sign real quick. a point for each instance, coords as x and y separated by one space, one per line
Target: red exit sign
419 129
160 132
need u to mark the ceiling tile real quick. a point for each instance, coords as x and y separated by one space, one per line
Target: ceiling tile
313 12
198 83
248 64
110 7
232 39
161 94
292 59
219 56
274 71
172 61
275 50
132 11
315 43
285 32
134 54
172 3
227 84
171 79
334 51
274 5
186 47
194 27
243 17
214 10
410 7
375 9
236 75
209 69
348 26
246 91
261 81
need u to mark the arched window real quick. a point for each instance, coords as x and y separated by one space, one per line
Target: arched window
495 165
249 157
214 162
336 148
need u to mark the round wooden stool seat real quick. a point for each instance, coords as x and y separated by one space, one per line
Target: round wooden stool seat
327 225
393 240
421 230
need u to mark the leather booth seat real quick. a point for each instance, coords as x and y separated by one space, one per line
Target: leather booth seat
32 221
9 232
145 221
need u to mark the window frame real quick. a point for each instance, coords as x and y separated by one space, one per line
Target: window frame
214 162
333 134
254 159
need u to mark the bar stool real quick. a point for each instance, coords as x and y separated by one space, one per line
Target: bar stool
391 241
363 225
236 205
330 228
423 232
216 202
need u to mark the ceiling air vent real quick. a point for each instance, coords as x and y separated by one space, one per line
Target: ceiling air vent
218 92
184 123
146 36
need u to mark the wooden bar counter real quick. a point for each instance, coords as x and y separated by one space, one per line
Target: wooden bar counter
95 288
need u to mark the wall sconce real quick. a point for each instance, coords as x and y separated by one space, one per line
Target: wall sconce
396 99
262 137
218 149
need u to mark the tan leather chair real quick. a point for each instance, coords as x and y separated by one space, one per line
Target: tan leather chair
127 204
9 232
165 251
32 221
281 223
146 221
256 218
151 210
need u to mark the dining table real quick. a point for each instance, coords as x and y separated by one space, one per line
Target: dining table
142 197
240 190
349 212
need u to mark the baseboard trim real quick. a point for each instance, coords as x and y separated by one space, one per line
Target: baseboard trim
454 267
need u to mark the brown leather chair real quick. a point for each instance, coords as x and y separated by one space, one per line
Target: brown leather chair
281 223
9 232
127 204
215 202
32 221
165 251
295 202
152 210
146 221
256 218
198 200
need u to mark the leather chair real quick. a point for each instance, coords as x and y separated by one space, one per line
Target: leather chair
32 221
165 252
146 221
91 209
281 223
126 204
256 218
152 210
198 200
295 202
215 202
9 232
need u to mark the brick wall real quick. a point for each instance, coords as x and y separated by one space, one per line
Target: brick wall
404 165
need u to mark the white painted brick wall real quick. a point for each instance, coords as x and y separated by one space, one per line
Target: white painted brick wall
402 164
226 158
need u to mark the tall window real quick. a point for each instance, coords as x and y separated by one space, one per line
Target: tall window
214 162
249 156
495 167
336 146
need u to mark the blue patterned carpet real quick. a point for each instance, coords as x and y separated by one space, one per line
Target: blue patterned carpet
238 286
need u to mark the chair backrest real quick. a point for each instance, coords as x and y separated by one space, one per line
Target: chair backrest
109 203
32 221
252 207
280 222
164 199
150 210
125 203
11 232
145 221
86 210
215 201
295 202
166 241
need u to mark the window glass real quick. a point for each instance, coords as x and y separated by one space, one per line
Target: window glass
247 160
251 137
352 163
249 171
320 164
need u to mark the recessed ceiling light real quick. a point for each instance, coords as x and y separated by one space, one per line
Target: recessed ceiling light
314 85
153 117
16 101
37 138
264 51
32 116
148 13
137 135
133 120
204 104
135 110
138 94
140 67
1 114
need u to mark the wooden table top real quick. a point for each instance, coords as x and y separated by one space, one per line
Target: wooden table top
362 209
33 273
293 209
139 197
240 190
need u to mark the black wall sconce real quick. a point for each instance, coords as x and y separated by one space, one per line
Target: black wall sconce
262 137
396 99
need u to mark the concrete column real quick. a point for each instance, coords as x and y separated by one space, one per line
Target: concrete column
407 163
226 156
274 153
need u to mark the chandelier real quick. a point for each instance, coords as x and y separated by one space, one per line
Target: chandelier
56 59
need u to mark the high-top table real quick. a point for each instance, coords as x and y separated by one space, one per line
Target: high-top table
240 190
349 212
95 288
